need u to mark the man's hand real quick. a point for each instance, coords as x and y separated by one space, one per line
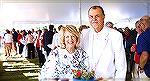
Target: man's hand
141 70
143 60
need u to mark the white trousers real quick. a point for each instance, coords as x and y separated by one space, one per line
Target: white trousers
142 77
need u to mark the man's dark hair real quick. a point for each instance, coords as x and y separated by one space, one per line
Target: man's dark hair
59 27
51 27
29 32
13 29
39 31
95 7
109 23
7 31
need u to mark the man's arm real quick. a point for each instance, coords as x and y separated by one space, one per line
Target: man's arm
120 58
143 59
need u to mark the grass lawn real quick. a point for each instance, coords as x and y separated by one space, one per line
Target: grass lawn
19 70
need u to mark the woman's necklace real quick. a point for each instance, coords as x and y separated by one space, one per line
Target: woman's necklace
71 51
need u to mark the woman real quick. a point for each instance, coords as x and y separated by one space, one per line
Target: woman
21 41
39 49
30 45
8 39
65 58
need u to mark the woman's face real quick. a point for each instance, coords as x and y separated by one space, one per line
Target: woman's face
70 40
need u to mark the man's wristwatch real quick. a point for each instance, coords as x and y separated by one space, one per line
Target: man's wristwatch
140 68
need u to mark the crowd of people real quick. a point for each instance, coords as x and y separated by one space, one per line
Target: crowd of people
26 43
110 52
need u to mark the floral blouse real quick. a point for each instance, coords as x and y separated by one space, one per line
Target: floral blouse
60 64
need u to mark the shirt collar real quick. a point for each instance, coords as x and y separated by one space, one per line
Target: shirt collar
103 31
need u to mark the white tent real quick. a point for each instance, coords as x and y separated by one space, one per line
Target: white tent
24 14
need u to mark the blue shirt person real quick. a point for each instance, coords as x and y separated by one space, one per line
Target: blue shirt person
143 47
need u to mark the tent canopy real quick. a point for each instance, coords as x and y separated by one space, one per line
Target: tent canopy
121 13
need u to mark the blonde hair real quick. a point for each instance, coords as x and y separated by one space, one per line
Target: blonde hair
72 29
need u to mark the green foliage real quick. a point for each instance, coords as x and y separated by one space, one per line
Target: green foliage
82 73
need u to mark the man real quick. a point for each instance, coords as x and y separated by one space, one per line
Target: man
15 36
48 37
133 49
104 47
143 48
34 35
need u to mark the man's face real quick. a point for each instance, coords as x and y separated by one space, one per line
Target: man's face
96 18
138 28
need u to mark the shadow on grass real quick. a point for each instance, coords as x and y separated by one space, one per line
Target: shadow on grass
17 75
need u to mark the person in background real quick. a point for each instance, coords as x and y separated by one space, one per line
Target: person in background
0 40
129 39
54 30
39 48
21 41
143 49
65 58
48 37
15 36
34 35
133 49
42 44
82 27
17 45
8 40
56 38
104 47
30 45
109 24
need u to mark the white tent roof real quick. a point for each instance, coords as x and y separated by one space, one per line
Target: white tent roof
13 12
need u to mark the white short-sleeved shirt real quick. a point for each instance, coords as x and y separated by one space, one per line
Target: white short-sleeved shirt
8 38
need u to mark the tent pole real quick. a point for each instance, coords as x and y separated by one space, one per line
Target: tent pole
80 21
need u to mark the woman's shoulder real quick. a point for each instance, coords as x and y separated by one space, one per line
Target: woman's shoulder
57 51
